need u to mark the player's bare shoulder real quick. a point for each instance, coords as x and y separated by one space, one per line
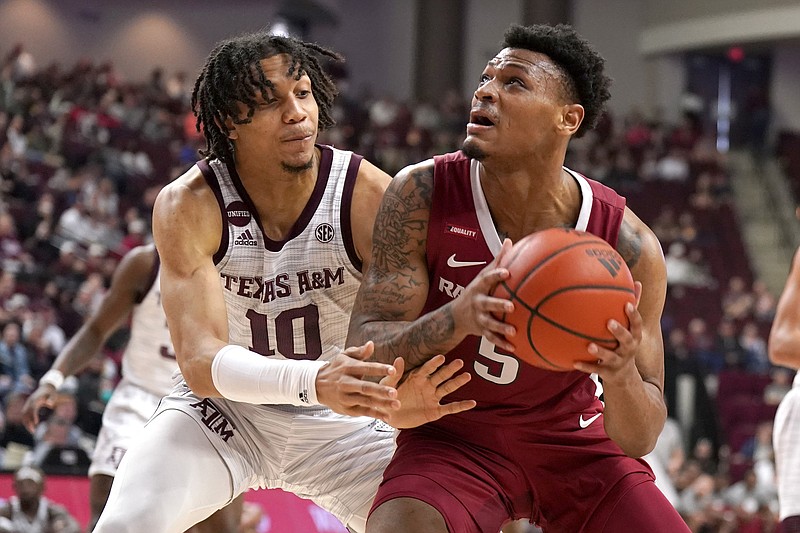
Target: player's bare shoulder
136 268
186 212
402 224
415 183
638 245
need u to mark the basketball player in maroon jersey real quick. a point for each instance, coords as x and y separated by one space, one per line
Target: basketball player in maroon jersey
539 445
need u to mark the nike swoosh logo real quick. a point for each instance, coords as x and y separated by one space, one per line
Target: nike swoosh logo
451 262
585 423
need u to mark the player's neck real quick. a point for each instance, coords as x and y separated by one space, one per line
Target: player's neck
280 195
521 204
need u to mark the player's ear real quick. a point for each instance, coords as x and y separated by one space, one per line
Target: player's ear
230 127
571 118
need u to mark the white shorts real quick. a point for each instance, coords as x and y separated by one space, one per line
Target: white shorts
334 460
128 410
786 436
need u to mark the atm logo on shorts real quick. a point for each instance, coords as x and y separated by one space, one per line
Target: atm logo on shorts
214 419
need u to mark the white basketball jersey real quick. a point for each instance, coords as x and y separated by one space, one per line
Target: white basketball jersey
149 358
292 298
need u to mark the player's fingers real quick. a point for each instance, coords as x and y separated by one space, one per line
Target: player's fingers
505 248
488 322
589 368
498 306
635 319
452 385
499 341
490 278
393 380
637 290
430 367
363 369
362 352
372 392
443 373
30 420
455 407
374 401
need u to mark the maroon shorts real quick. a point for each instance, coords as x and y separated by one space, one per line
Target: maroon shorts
565 479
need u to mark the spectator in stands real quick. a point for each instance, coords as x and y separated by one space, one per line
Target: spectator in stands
14 371
673 166
622 175
703 197
15 434
665 225
780 385
696 500
727 346
667 458
59 432
746 493
685 135
682 270
764 302
137 235
737 301
755 349
703 454
759 446
701 343
30 511
40 349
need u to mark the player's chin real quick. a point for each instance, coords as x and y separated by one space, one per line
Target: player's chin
473 148
297 165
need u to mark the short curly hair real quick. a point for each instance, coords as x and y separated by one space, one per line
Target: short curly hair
233 74
581 63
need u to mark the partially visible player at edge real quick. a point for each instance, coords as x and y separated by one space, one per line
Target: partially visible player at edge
784 350
261 246
539 445
148 365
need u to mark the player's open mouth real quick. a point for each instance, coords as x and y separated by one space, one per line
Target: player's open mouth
480 120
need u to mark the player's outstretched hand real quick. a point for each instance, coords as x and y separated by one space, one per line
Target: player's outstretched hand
344 384
476 309
422 390
43 396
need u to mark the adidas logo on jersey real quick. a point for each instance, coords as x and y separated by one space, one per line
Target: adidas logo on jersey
245 239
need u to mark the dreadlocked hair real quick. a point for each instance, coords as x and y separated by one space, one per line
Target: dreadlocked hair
581 64
233 74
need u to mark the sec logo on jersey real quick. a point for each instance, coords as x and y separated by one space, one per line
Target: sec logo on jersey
324 232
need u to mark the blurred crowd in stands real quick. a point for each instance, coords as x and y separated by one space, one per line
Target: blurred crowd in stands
83 154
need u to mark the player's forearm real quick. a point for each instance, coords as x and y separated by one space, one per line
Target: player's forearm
416 342
634 415
80 350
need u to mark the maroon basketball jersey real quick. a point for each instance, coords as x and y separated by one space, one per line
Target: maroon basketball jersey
462 240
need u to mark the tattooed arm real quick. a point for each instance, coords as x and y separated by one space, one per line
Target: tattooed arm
633 374
395 287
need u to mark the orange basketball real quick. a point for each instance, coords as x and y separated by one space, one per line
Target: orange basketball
565 285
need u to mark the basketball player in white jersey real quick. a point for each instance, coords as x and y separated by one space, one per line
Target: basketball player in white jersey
148 365
784 350
262 246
